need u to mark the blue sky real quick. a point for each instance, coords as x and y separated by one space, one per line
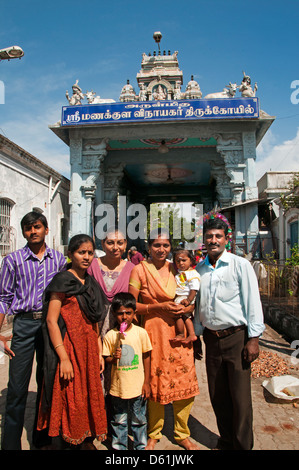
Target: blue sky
101 44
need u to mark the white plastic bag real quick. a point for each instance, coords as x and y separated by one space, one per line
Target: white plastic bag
284 386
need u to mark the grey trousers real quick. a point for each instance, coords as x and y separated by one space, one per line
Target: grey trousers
27 340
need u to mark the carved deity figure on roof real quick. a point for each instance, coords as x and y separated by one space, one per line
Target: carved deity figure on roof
177 94
142 93
77 95
159 93
245 87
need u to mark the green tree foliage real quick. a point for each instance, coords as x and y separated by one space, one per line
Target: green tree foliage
291 200
294 258
170 217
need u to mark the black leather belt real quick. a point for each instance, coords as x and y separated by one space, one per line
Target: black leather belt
226 331
31 315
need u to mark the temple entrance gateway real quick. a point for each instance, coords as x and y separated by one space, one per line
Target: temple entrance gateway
165 145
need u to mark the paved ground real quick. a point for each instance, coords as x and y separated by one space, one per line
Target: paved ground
276 422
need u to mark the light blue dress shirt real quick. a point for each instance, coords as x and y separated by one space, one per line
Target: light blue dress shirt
229 296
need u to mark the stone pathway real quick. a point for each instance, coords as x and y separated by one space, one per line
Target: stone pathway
276 422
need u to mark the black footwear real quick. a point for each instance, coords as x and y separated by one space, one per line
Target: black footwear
197 349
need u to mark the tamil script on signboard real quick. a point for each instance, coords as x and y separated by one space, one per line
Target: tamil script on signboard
235 108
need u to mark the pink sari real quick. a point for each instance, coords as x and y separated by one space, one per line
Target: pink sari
118 282
121 283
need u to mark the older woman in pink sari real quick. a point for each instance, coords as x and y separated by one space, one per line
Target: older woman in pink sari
112 273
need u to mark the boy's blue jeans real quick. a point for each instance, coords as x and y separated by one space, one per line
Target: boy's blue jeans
122 409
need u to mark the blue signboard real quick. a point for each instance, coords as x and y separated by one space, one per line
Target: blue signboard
149 111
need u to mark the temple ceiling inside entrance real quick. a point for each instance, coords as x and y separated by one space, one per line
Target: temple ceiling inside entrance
169 174
170 171
154 143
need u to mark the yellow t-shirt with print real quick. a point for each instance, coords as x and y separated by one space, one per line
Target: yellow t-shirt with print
127 375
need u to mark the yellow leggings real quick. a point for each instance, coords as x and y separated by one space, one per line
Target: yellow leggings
181 412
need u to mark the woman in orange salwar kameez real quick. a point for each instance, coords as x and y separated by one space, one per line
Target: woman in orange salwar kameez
173 375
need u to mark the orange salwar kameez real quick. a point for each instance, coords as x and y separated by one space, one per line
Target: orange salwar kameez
173 375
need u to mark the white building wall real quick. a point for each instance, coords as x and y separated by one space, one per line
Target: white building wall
27 187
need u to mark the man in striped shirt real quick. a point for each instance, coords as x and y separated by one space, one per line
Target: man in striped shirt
24 276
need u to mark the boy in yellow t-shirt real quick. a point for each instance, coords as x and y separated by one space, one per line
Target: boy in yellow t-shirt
127 347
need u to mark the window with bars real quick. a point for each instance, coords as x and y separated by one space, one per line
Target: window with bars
5 228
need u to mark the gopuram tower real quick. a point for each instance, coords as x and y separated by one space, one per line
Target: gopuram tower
165 143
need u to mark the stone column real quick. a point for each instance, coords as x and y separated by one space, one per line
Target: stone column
238 154
234 168
223 188
249 153
207 203
76 200
112 178
230 148
251 190
89 188
94 153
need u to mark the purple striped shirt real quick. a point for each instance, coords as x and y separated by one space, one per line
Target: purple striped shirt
23 279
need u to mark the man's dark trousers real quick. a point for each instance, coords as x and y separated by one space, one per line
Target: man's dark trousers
230 388
27 339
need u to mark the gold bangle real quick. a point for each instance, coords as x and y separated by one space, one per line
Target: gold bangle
147 309
61 344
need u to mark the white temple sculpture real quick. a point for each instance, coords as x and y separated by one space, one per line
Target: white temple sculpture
92 98
128 93
160 77
228 92
245 87
142 93
77 95
193 91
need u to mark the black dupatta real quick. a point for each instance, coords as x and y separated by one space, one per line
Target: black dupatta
92 302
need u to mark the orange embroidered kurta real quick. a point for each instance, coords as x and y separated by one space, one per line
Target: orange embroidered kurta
173 375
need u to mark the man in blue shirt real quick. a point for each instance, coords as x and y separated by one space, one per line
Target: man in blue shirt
232 316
